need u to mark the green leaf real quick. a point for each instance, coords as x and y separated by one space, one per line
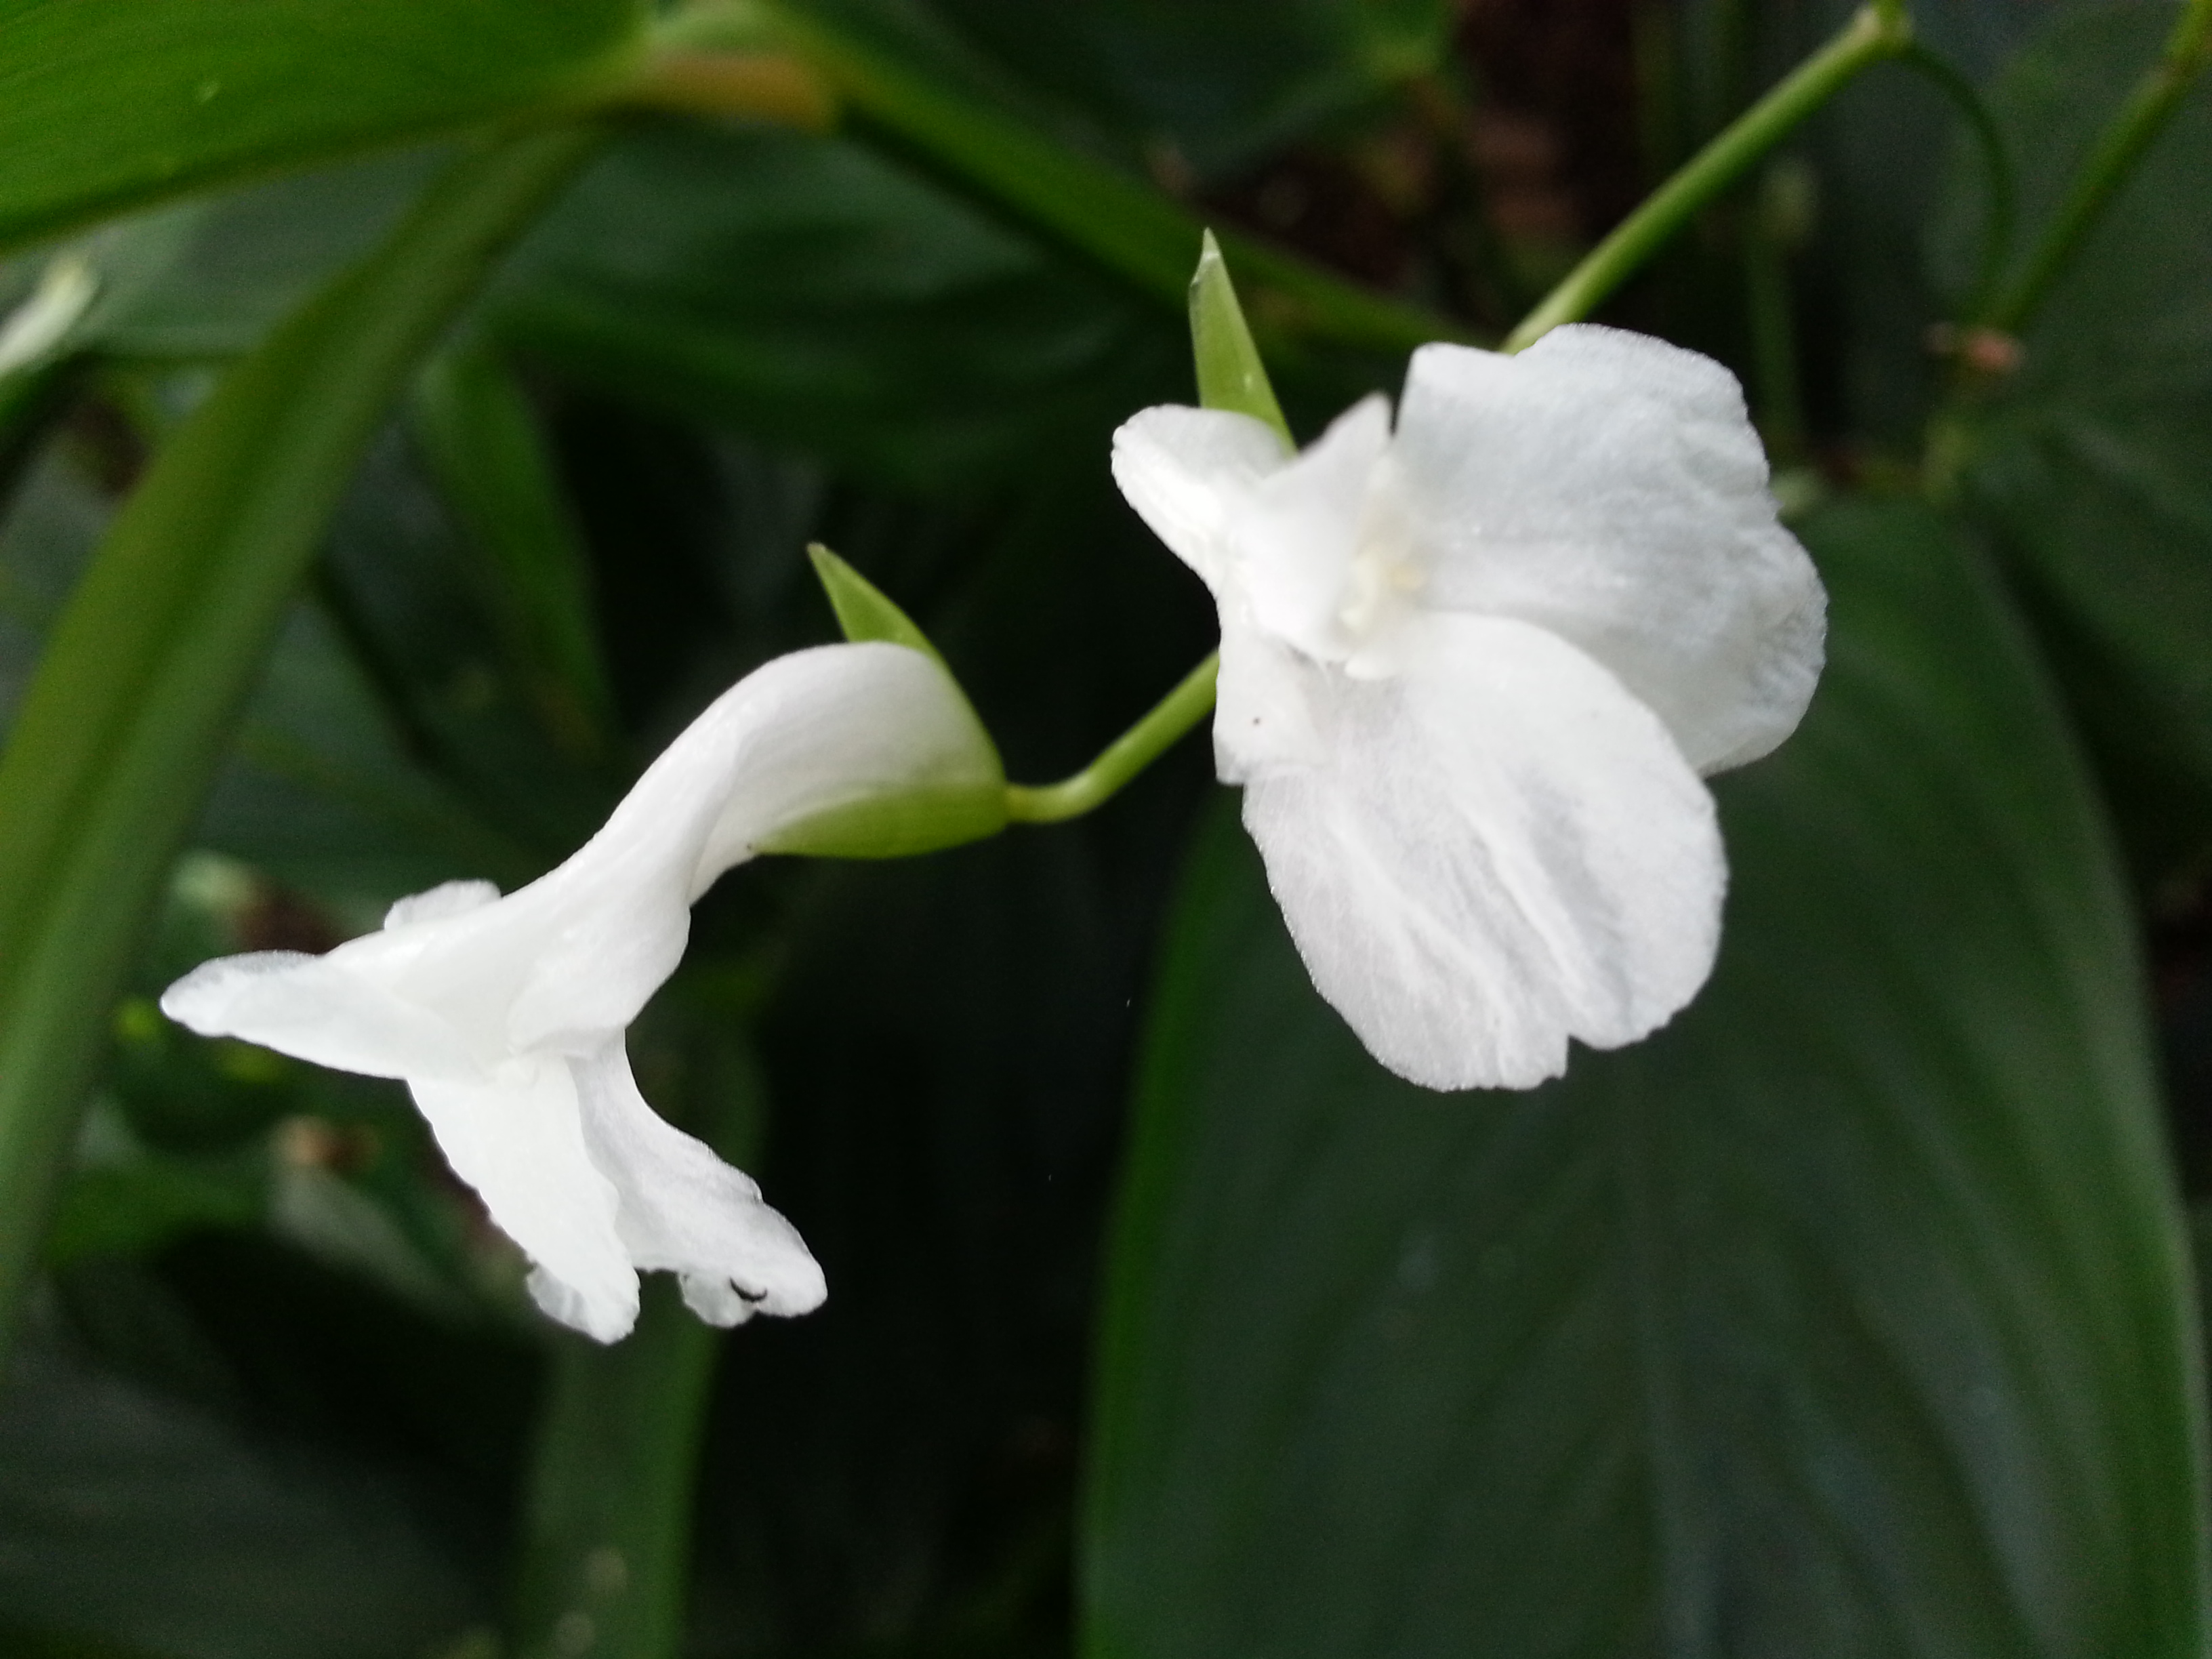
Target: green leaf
129 1517
1230 375
118 736
2093 465
105 104
864 610
815 294
481 436
1847 1317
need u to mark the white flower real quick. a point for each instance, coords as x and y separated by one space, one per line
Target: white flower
506 1015
1471 673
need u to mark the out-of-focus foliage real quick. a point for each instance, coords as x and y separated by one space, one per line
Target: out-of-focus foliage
1844 1317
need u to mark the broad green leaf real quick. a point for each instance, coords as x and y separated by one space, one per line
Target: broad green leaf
105 104
131 1518
121 731
812 292
1848 1317
2095 466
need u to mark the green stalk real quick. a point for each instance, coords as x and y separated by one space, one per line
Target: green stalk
129 715
2188 50
1996 163
607 1521
1191 702
1126 226
1876 32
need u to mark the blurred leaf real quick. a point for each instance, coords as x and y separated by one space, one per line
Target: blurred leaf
1849 1315
480 435
2095 466
129 1517
813 294
1219 81
105 104
123 726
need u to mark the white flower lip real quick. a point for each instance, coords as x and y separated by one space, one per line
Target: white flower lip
1472 672
507 1016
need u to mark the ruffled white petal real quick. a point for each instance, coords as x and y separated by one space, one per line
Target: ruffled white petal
1608 487
1190 473
518 1141
683 1209
1503 849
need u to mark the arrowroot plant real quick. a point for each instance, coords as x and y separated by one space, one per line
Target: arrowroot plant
1657 1112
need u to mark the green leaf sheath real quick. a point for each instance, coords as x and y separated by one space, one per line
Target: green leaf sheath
106 104
1874 34
1848 1315
476 430
1126 226
122 727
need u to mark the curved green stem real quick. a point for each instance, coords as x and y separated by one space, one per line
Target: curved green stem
1097 210
1996 163
1876 32
1121 759
2188 49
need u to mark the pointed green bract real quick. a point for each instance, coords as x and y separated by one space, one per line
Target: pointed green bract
864 611
1230 375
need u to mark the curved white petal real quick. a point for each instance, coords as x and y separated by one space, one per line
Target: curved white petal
1190 473
1606 486
683 1209
1265 718
519 1142
314 1008
1299 535
805 734
1504 849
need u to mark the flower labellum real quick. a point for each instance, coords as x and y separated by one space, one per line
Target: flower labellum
1472 672
506 1015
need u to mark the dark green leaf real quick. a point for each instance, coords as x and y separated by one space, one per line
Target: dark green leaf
107 103
2096 466
1846 1317
129 1517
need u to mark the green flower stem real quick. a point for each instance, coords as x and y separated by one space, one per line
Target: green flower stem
121 731
2188 50
1101 212
606 1549
1996 163
1121 759
1876 32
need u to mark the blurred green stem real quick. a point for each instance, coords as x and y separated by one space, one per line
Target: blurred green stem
1129 227
607 1523
606 1553
1876 32
1123 759
122 729
2188 50
1996 163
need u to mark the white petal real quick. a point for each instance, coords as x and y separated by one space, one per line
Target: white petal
683 1209
1607 486
314 1008
803 735
1294 541
452 898
1264 719
1505 849
1189 473
519 1142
